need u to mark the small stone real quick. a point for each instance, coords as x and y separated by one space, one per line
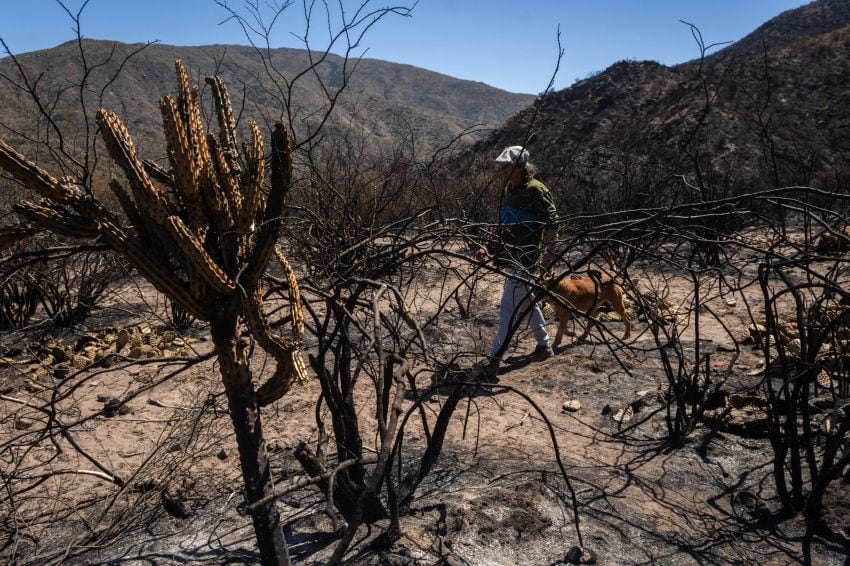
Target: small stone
123 338
167 338
579 555
85 341
143 351
33 387
38 372
757 331
572 406
23 424
113 407
59 355
748 403
824 380
624 415
107 361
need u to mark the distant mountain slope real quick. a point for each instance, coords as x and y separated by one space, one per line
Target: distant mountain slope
388 101
778 114
807 21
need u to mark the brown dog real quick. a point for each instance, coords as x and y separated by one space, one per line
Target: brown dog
585 295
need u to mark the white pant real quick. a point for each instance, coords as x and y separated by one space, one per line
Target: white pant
515 302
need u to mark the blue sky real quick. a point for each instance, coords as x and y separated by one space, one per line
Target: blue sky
507 44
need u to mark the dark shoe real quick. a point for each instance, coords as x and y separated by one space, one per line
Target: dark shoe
541 353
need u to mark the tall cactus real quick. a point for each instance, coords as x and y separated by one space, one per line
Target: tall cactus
202 232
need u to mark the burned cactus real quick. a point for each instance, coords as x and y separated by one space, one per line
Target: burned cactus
203 233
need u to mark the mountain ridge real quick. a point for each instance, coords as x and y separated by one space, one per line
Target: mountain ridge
742 119
389 100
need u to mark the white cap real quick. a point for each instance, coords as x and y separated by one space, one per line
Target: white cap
513 155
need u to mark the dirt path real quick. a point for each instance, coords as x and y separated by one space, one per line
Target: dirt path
496 496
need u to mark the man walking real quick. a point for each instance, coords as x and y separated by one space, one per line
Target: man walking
526 230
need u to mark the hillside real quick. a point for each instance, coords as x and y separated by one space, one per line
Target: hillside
394 103
769 110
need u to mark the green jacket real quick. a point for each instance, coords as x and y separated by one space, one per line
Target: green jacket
527 210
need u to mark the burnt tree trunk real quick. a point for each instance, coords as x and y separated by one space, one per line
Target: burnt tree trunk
435 447
350 483
245 414
348 496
